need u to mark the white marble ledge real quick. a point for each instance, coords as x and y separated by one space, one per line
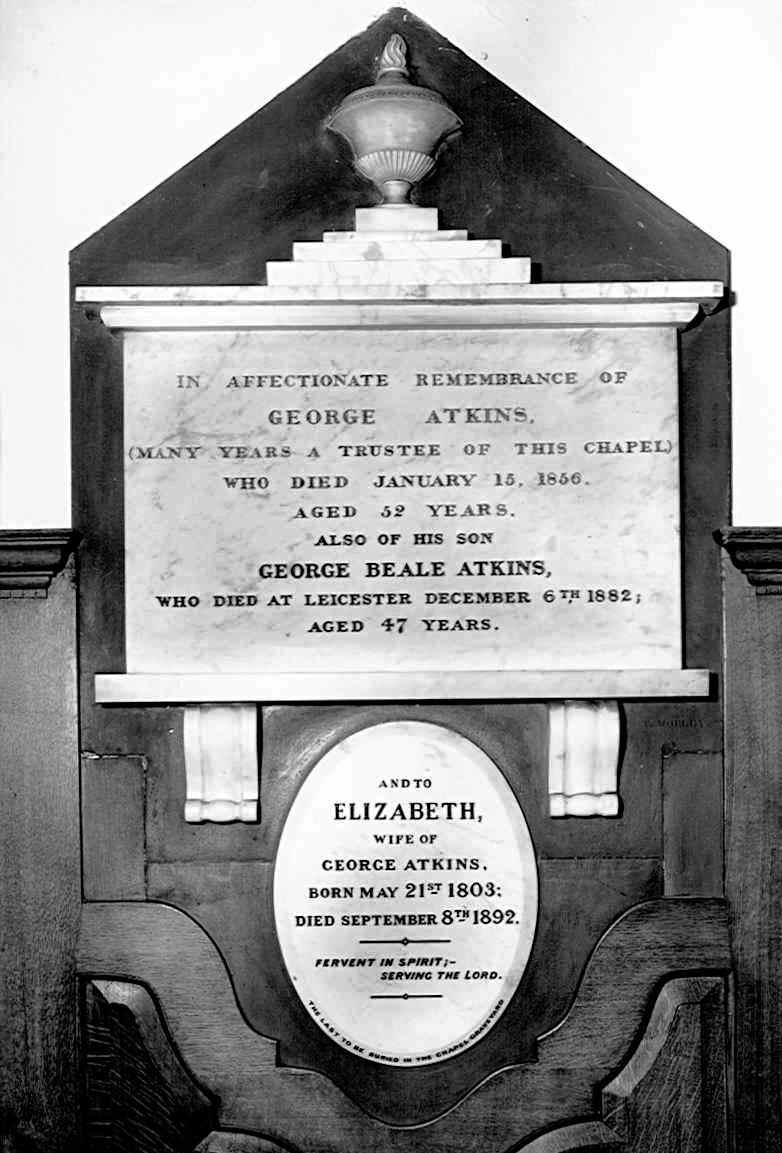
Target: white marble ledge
428 270
645 304
386 237
581 684
418 313
706 293
380 249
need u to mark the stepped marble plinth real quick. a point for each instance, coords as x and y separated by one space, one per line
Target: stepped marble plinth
356 246
385 236
355 273
396 218
389 250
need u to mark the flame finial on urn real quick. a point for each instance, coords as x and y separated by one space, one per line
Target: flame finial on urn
394 127
394 57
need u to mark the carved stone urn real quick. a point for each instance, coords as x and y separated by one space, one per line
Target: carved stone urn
394 127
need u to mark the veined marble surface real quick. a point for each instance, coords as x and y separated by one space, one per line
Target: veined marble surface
367 235
630 293
381 272
396 218
377 247
464 499
441 684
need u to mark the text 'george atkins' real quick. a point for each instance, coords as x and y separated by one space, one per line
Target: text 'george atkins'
412 811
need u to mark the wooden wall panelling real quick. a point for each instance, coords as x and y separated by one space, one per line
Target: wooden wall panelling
579 900
229 899
207 871
157 943
514 735
30 559
692 824
753 828
113 797
139 1097
590 1136
583 1039
39 842
671 1095
585 887
218 1142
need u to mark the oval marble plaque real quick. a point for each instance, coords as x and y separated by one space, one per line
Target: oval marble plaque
405 893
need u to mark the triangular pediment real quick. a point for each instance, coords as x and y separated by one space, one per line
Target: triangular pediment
281 177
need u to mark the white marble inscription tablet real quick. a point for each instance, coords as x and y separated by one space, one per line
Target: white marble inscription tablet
405 893
353 500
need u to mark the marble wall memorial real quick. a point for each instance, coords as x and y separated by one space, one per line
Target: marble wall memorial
400 436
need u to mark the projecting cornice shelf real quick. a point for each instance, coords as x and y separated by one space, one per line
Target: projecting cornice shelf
417 303
580 684
757 552
31 558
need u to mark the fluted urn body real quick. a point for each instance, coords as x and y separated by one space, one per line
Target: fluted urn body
394 127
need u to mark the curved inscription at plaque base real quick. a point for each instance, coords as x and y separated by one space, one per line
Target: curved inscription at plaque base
405 893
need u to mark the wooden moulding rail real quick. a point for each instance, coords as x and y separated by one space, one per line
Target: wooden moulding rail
757 552
31 558
482 684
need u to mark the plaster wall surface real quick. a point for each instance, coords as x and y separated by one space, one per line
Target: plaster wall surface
103 101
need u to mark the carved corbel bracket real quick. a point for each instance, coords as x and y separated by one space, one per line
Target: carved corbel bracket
584 746
221 762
